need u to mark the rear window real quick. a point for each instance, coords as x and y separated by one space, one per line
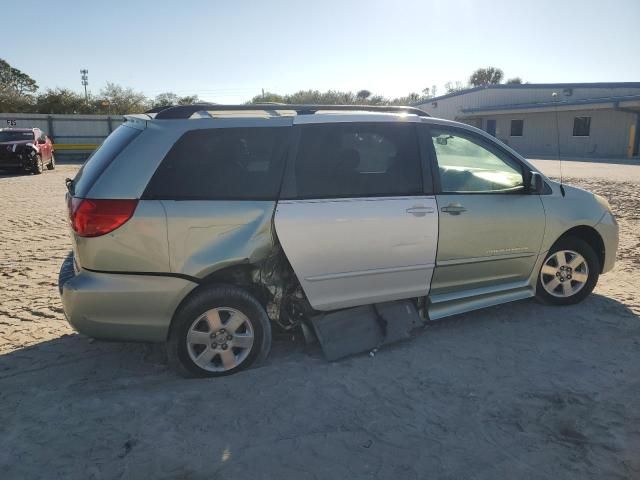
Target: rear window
102 158
222 164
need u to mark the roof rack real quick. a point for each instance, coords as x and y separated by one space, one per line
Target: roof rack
185 111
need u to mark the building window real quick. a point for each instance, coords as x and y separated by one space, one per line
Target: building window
517 126
581 126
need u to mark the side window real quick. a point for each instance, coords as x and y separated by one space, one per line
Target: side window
466 165
357 160
222 164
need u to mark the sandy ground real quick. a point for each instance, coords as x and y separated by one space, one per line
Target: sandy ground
517 391
620 170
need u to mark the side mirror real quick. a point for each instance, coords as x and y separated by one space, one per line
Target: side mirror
536 184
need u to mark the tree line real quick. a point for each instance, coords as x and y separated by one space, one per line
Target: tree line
19 93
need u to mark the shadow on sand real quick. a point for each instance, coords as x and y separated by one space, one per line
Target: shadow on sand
77 352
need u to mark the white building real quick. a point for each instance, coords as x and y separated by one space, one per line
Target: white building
593 119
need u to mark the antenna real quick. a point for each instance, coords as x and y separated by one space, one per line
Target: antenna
554 95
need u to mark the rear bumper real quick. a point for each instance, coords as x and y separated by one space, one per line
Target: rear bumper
125 307
607 227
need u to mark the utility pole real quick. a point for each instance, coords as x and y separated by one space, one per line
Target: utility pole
263 94
84 75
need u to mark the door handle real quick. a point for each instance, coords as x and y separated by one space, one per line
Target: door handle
419 210
453 209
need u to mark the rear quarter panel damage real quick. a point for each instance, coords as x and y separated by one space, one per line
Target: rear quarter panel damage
206 236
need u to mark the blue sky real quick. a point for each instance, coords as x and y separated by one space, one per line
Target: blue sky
226 51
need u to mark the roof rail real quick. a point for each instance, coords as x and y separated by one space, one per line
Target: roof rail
158 109
185 111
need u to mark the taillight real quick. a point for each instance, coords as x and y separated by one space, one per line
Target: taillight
92 218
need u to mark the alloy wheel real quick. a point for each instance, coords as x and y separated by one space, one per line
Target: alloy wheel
220 339
564 273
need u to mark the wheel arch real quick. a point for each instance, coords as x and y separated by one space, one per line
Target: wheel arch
238 275
589 235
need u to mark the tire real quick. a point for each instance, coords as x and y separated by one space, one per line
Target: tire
224 327
576 281
52 163
38 166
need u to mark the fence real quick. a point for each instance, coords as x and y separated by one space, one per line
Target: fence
74 136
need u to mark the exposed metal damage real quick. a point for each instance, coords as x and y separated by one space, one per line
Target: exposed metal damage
340 333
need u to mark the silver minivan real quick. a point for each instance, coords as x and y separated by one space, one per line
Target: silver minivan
202 226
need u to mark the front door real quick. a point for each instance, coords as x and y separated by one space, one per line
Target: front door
491 228
355 220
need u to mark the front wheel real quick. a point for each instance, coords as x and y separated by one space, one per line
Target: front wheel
38 166
218 331
569 273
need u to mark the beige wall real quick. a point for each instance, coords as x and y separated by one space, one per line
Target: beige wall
609 133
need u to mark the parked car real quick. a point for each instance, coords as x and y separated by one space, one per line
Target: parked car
201 226
25 149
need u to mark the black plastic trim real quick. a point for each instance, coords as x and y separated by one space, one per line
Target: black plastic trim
149 274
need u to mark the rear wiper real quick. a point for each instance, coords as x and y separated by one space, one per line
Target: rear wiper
70 185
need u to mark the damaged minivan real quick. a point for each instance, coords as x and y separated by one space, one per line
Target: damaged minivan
204 226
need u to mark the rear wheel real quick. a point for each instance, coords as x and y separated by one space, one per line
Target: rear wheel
219 330
52 163
569 273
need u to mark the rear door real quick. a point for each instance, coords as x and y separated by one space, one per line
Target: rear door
491 228
355 219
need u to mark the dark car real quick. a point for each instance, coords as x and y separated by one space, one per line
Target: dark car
25 149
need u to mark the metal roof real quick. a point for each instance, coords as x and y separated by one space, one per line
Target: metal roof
524 106
516 86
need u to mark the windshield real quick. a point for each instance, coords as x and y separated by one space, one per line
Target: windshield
15 136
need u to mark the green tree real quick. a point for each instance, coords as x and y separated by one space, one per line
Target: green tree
429 92
451 87
16 89
268 97
515 80
486 76
62 100
189 100
363 95
15 80
170 98
115 99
